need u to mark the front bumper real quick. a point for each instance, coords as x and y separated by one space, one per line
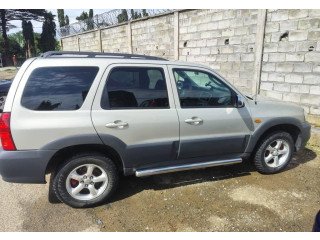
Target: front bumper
24 166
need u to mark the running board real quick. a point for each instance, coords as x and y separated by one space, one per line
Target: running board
183 167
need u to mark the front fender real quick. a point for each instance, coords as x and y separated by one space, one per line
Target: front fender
267 124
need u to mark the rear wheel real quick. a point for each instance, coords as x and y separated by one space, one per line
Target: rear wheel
86 180
274 153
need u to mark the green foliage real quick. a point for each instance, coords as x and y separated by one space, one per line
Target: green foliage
144 13
58 46
61 17
90 13
135 15
123 16
7 15
87 18
83 16
90 23
67 20
14 47
28 35
18 37
47 38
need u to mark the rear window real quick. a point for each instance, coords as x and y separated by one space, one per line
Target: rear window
58 88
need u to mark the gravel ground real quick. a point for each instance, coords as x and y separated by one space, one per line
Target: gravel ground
234 198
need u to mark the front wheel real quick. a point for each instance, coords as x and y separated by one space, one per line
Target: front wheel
86 180
274 153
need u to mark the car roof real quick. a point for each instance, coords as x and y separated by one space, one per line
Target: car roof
109 58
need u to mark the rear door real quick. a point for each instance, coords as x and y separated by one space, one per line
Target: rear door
134 112
210 124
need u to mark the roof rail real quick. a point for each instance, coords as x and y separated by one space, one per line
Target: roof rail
97 54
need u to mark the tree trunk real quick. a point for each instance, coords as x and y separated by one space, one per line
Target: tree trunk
5 36
29 49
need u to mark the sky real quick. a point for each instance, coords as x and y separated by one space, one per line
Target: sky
72 13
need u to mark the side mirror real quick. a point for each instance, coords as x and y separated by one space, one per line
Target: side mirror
239 101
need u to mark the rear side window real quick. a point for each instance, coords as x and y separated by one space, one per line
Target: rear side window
58 88
135 88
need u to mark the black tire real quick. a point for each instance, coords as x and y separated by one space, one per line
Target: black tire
60 178
259 161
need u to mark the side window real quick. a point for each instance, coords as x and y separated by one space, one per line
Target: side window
58 88
198 89
135 88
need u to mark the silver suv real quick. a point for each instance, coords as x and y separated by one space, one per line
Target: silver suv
88 118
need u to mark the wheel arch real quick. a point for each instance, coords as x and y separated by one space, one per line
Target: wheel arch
67 152
290 125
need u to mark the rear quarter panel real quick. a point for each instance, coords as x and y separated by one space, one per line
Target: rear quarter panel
35 129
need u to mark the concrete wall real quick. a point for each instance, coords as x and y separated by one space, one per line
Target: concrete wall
154 37
228 41
115 39
291 58
224 40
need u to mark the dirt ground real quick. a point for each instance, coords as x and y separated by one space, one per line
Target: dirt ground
234 198
7 72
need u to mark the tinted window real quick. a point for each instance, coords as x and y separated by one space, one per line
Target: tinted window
135 87
201 89
58 88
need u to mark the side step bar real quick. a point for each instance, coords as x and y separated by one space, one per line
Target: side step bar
183 167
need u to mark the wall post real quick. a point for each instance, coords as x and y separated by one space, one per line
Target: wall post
61 44
129 37
176 36
78 43
261 24
100 40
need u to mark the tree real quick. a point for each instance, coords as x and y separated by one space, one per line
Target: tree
90 20
87 19
67 27
123 16
28 35
47 38
67 20
14 46
7 15
18 37
144 13
135 15
83 16
132 13
90 13
61 18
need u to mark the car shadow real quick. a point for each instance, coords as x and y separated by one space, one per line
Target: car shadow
303 156
131 185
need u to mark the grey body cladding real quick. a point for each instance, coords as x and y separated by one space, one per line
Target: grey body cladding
303 127
24 166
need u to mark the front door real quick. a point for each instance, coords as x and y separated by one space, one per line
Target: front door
134 113
210 124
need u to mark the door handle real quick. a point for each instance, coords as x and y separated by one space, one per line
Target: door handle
194 121
117 124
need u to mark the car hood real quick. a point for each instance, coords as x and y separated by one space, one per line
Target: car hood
265 107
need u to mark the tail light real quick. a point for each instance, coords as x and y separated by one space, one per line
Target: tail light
5 133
